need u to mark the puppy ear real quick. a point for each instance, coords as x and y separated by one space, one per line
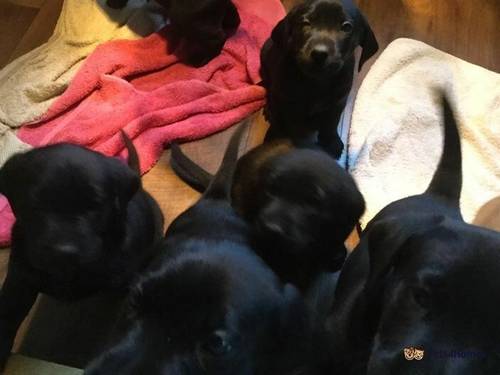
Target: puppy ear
294 314
319 296
367 41
282 31
387 238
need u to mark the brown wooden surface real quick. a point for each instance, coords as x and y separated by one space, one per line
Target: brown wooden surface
465 28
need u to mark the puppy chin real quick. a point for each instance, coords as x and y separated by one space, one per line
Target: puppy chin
315 71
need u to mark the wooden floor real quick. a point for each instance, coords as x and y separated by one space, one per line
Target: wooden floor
468 29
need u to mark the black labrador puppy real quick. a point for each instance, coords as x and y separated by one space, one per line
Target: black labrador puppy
421 286
208 304
307 70
300 203
83 225
199 27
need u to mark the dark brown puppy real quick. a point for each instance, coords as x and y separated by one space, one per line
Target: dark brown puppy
307 70
421 278
299 202
199 27
83 225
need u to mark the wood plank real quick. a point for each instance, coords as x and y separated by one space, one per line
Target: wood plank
14 22
40 30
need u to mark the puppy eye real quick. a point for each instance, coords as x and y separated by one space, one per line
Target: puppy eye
305 23
217 344
346 27
421 297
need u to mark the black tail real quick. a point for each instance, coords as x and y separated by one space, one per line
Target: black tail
133 158
220 186
447 180
190 172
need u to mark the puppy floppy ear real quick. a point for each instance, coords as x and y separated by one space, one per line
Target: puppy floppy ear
387 239
282 31
367 41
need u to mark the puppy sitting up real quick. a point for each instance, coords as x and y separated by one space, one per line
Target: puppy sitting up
199 27
307 70
208 304
83 224
301 206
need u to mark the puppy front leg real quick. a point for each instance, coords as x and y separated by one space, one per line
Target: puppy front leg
16 299
329 139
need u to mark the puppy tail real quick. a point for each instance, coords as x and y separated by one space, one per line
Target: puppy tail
447 180
220 186
133 158
190 172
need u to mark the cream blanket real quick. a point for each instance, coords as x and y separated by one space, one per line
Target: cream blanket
396 130
30 84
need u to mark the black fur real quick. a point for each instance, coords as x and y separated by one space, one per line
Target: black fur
83 224
208 304
199 28
307 70
301 206
421 277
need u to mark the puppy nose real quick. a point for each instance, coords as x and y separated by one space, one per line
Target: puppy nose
319 54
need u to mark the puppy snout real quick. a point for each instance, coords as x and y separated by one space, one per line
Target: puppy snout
319 54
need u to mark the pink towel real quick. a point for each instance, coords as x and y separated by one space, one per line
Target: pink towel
138 87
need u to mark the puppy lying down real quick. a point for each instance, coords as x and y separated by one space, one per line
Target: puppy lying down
83 224
199 27
301 206
208 304
421 284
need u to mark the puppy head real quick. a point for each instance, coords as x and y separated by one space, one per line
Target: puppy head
210 312
203 27
70 204
321 36
308 203
431 285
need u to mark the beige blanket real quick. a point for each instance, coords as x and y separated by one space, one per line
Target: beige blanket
31 83
396 129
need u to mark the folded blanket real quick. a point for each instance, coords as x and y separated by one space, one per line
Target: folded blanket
137 86
396 128
31 83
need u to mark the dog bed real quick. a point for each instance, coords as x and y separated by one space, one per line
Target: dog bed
396 128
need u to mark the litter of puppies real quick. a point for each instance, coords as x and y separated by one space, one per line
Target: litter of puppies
255 277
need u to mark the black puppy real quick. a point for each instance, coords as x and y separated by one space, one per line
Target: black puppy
423 280
307 70
208 304
299 202
83 224
199 27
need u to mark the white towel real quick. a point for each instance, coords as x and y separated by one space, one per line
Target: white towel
396 128
30 84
